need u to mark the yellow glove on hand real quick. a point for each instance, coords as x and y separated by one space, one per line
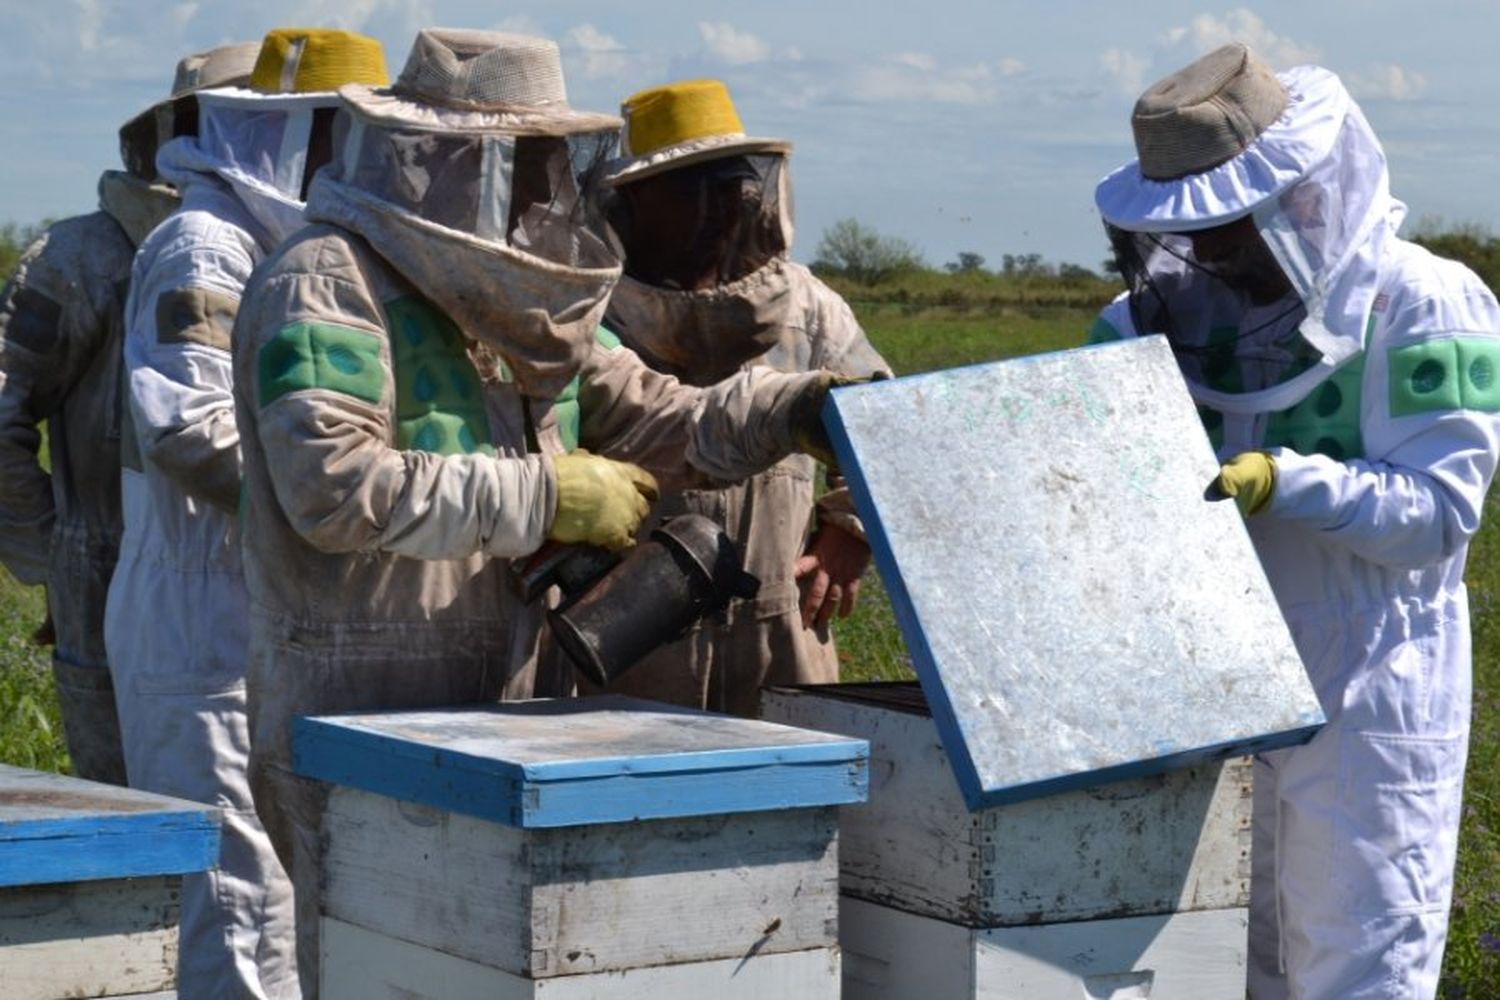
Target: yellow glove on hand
1250 478
600 501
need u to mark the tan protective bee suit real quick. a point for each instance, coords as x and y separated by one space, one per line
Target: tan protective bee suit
387 488
782 318
60 327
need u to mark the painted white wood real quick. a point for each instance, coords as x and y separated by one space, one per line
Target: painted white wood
890 954
1178 841
360 964
556 902
108 938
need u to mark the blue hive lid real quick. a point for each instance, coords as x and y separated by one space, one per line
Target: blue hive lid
571 762
1076 610
55 828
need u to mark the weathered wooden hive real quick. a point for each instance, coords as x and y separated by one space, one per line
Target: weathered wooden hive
604 848
1062 810
90 880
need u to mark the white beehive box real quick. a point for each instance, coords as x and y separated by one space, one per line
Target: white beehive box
1151 873
606 848
90 879
893 955
1159 844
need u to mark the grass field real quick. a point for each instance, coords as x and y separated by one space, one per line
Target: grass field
917 339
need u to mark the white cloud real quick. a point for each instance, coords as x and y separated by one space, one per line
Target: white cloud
732 45
1010 66
1387 81
1127 70
519 24
591 54
906 77
1207 32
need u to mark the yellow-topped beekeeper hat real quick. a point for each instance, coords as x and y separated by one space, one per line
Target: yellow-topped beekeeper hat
681 123
316 60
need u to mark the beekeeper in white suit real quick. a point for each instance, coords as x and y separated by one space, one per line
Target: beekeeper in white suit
1351 382
177 621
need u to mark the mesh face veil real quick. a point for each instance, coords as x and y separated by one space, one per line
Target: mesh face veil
706 224
535 193
1233 320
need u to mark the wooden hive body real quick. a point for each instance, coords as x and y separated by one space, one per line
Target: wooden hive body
90 885
605 847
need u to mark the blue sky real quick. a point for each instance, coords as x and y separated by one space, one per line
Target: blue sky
957 125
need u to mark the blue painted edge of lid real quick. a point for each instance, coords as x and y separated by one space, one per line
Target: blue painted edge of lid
503 792
1141 768
91 848
923 661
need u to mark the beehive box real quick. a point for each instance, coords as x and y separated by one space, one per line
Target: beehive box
1132 889
890 954
1170 842
90 879
600 848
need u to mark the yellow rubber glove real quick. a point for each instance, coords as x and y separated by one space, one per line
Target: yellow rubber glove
600 501
1250 478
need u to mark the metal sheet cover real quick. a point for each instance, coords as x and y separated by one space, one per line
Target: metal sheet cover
1075 609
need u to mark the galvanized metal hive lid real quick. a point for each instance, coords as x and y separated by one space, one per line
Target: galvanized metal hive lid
1076 611
572 762
56 828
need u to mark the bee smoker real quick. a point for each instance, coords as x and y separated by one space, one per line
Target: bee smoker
617 608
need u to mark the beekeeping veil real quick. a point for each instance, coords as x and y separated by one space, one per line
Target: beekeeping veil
704 214
261 139
474 178
1224 140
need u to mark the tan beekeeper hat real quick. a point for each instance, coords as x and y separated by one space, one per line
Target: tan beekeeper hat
1206 113
479 82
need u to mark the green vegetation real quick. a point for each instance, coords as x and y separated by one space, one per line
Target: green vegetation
30 729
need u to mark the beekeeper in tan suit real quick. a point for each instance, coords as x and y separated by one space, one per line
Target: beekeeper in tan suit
414 375
704 213
61 322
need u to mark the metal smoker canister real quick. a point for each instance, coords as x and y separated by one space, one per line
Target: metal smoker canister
687 569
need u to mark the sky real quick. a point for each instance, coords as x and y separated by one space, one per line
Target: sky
959 125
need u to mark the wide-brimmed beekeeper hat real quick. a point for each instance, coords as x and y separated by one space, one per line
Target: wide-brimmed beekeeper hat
1219 137
681 123
225 66
463 81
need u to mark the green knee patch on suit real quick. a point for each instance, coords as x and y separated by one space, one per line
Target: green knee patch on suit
319 356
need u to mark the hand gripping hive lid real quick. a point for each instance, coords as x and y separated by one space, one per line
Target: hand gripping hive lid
478 82
678 124
1205 113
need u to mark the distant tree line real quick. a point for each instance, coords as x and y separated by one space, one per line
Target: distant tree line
856 252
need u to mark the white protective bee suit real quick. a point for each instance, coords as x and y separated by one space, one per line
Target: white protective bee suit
1374 388
178 613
